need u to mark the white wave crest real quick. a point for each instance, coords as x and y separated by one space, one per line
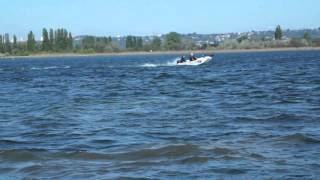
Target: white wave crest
169 63
50 67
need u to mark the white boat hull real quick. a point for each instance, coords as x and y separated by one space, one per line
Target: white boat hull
196 62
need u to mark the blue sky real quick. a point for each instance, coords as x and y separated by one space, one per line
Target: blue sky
147 17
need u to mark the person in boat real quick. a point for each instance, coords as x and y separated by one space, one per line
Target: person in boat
182 60
192 57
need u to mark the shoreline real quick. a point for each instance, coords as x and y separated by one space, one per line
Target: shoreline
215 51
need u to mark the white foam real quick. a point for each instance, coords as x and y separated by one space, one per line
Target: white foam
169 63
50 67
149 65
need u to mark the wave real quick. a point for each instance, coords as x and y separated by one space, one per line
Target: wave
102 141
300 138
257 156
275 118
222 151
285 117
163 76
20 155
167 151
132 178
170 151
230 171
204 82
12 142
194 159
50 67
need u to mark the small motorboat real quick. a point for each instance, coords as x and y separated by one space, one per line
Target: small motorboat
198 61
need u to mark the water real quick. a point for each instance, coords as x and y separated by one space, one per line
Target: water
242 115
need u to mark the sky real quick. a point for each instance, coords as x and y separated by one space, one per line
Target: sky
151 17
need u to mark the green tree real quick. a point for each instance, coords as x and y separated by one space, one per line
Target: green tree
15 45
134 42
316 42
7 43
242 38
1 44
307 37
173 41
61 39
88 42
106 41
156 43
297 42
51 39
70 41
45 40
278 33
129 42
65 39
31 42
57 42
139 43
99 44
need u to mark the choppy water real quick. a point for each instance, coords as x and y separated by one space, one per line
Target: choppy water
242 115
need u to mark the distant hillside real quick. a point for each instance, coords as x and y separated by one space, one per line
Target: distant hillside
218 38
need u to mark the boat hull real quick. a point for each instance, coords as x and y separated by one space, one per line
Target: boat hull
198 61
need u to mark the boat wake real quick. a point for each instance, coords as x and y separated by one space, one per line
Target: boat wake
169 63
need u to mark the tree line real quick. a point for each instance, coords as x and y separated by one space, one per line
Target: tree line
92 44
61 40
172 41
134 43
278 41
175 41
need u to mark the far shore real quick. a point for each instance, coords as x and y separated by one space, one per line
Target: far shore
183 52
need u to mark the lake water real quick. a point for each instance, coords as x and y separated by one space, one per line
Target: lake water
240 116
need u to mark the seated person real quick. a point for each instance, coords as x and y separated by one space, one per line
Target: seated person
182 60
192 57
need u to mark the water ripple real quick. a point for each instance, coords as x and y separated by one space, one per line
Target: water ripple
240 116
